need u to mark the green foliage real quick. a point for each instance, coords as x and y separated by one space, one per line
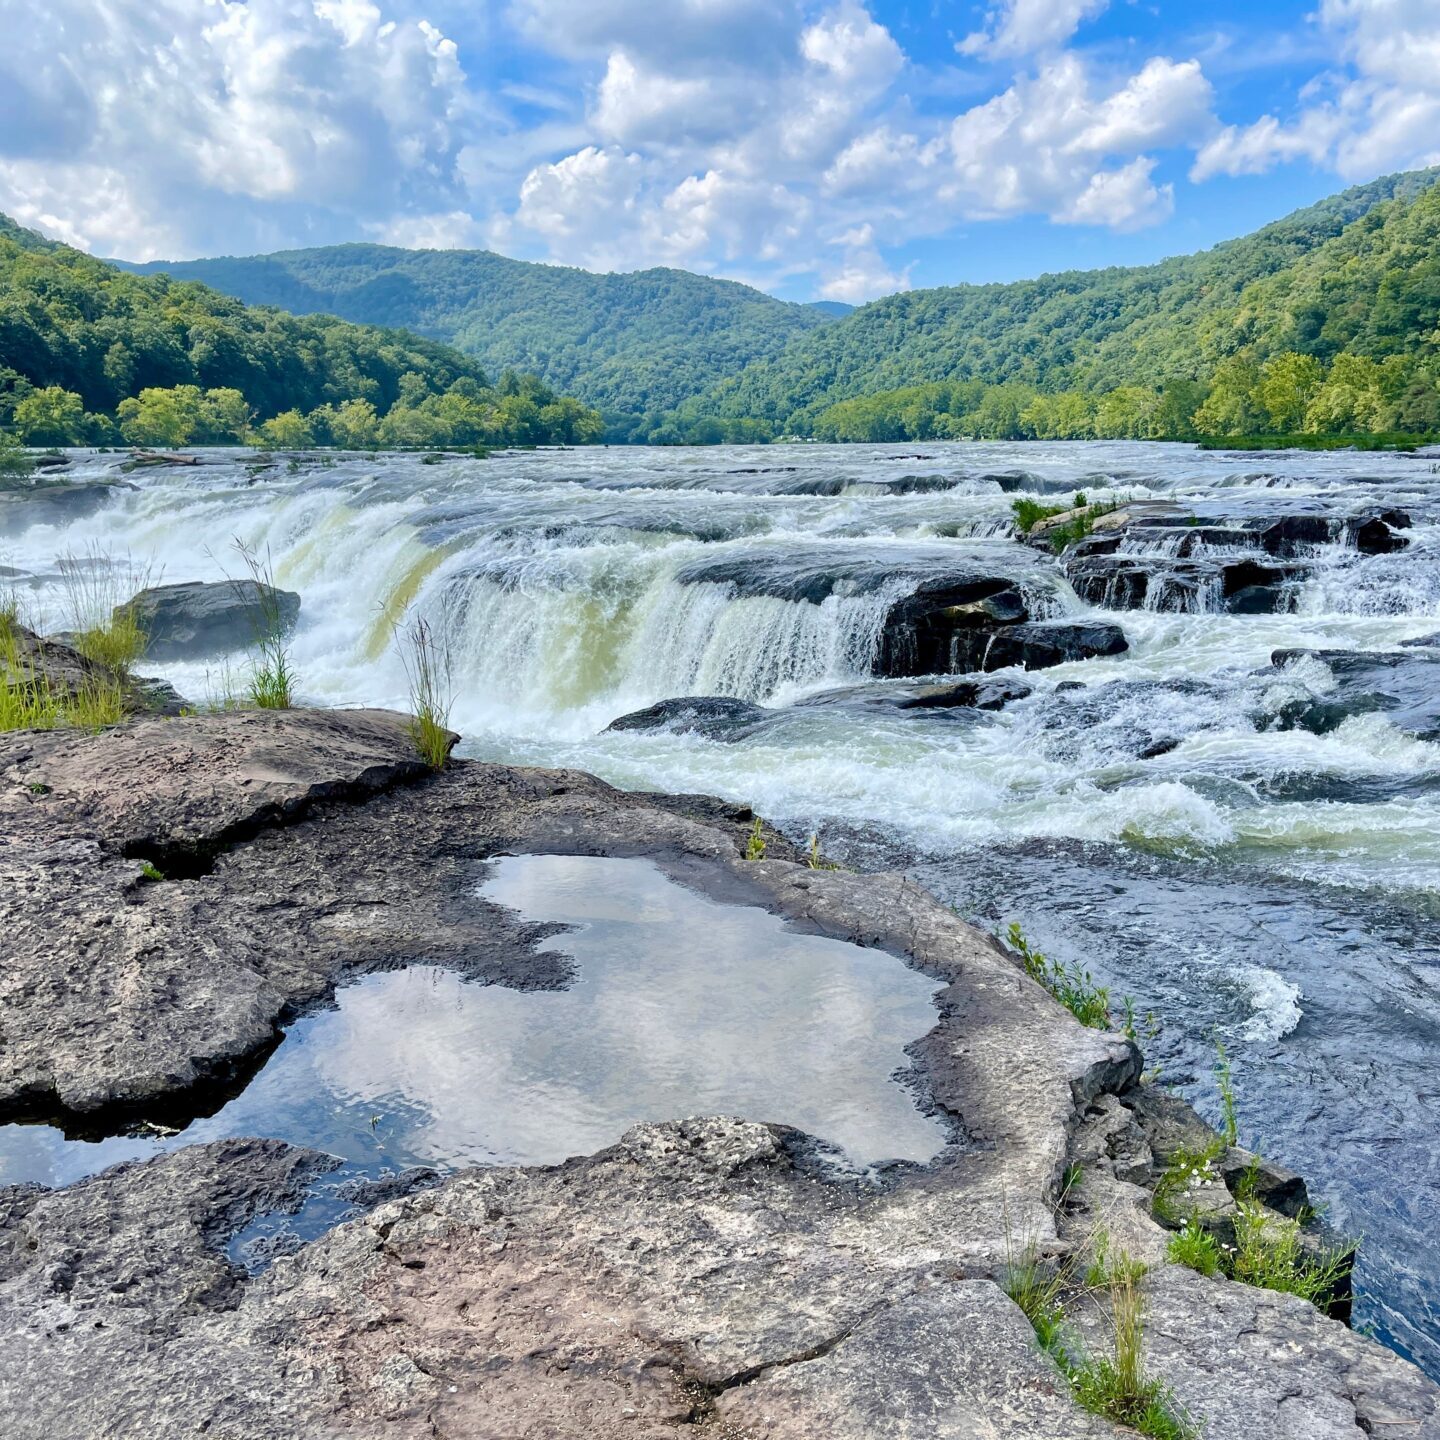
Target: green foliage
1121 352
1194 1246
15 462
288 430
52 416
1088 1002
632 345
180 364
1270 1252
429 672
1189 1169
755 841
149 873
1030 512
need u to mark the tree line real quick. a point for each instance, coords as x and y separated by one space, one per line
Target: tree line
90 354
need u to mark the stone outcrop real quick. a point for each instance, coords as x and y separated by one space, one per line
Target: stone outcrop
1160 556
201 619
711 1274
53 502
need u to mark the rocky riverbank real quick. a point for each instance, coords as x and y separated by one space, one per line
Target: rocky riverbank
710 1273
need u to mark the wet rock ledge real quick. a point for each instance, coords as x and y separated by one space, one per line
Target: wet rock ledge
706 1276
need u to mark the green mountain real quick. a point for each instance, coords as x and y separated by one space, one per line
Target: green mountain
631 344
85 347
1358 274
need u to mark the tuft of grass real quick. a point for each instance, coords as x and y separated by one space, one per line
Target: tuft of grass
272 673
1118 1389
1037 1290
429 672
814 859
1088 1002
1029 513
755 842
1224 1081
1188 1169
149 873
1270 1252
1196 1248
97 586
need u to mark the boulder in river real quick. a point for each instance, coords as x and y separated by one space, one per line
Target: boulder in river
47 502
200 619
717 717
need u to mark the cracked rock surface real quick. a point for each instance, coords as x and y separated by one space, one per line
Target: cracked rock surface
707 1275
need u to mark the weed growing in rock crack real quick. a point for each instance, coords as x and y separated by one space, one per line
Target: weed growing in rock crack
272 674
149 873
1037 1289
428 671
1118 1389
1088 1002
814 859
1188 1170
755 841
1196 1248
1106 1268
1229 1115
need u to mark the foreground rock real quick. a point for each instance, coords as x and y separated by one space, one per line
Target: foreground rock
200 619
713 1274
59 670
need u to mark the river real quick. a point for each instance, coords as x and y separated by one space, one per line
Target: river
1251 852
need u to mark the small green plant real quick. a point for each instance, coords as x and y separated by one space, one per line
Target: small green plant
272 674
1073 988
1118 1389
1270 1252
1189 1169
1037 1290
755 842
149 873
37 788
1229 1115
1196 1248
98 587
1029 513
814 859
426 658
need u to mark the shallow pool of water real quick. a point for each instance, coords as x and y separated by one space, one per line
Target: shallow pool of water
679 1006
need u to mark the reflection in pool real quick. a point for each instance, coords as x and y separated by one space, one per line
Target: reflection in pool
680 1006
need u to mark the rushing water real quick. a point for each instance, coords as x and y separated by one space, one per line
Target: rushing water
1252 852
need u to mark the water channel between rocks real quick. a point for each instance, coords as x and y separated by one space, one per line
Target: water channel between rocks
679 1006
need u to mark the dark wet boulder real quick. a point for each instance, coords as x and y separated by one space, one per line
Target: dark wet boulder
967 695
1101 574
1404 685
717 717
1039 645
199 619
1379 535
945 624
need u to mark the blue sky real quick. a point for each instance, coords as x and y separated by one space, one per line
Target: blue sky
817 148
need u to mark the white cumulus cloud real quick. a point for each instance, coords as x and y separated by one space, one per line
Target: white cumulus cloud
1020 27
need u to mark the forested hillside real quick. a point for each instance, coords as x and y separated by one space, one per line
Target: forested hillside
92 353
1357 274
633 344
